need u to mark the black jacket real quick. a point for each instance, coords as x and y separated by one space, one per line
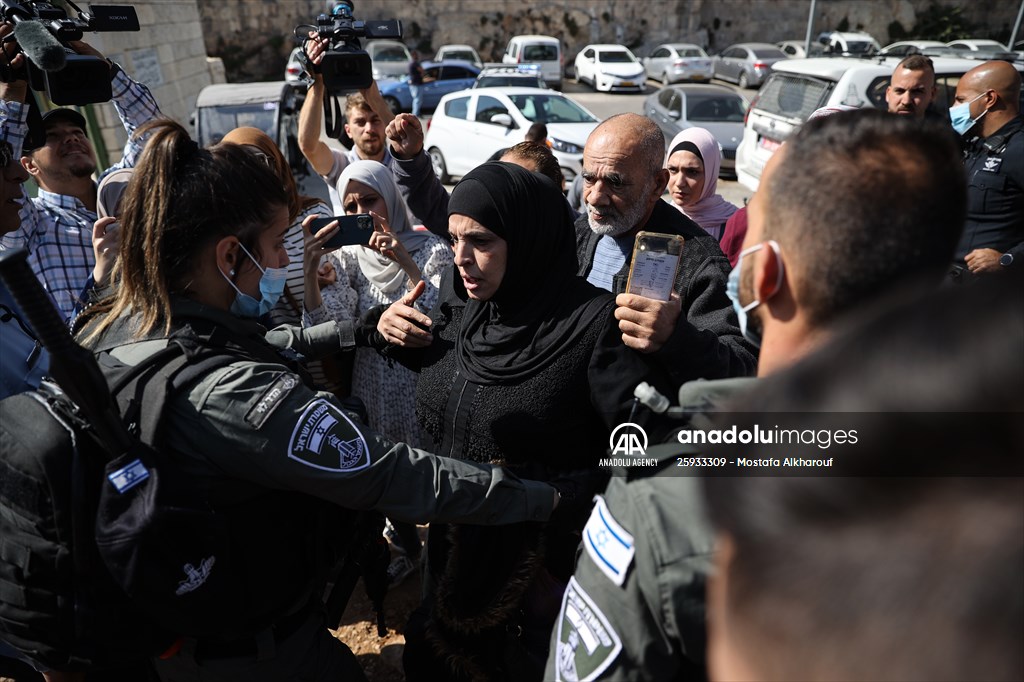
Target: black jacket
707 343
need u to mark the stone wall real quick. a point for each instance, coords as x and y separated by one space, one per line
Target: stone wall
168 54
254 36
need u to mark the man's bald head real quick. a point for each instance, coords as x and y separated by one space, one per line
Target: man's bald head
991 92
638 132
999 76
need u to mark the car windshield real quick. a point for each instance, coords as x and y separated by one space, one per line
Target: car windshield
859 47
714 108
540 53
459 54
390 54
551 109
614 57
769 53
691 52
509 81
216 122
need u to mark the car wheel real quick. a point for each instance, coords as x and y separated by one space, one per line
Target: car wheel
743 82
665 79
437 162
393 104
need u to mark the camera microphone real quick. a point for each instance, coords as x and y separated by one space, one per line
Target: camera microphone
39 46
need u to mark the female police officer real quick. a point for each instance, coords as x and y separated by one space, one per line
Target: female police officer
202 254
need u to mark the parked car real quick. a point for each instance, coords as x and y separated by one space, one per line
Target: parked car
610 67
747 64
469 126
674 62
390 58
511 76
798 49
799 86
978 44
273 107
439 80
904 48
849 43
544 51
292 68
464 52
716 108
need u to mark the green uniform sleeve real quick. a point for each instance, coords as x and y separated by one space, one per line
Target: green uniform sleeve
314 342
259 423
634 609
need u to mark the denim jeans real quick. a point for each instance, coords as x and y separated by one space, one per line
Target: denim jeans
415 91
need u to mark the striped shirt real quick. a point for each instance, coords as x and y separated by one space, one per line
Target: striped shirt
57 228
609 257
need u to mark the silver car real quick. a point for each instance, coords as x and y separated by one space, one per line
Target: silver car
747 64
716 108
390 58
674 62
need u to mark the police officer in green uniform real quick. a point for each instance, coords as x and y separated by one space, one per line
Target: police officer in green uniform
634 609
201 257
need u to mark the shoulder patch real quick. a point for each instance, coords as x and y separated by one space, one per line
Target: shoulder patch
586 642
608 544
325 438
270 399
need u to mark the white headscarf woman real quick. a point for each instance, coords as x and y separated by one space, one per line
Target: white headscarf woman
384 272
693 161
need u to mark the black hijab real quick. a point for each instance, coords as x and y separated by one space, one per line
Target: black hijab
541 307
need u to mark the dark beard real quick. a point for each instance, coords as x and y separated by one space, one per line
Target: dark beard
83 170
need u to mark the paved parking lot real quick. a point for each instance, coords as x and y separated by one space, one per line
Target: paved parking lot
603 105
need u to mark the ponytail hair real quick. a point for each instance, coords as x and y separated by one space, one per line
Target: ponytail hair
180 199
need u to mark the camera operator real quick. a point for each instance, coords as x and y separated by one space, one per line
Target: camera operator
56 227
366 115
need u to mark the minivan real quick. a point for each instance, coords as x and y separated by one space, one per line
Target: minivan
536 49
797 87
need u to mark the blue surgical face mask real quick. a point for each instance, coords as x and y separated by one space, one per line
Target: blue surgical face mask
272 284
732 290
960 116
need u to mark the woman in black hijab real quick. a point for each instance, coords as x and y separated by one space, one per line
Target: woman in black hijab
523 365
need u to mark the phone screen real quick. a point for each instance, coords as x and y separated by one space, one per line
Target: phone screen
655 262
352 229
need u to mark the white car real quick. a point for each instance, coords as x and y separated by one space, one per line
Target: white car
463 52
797 87
977 44
471 125
610 67
905 48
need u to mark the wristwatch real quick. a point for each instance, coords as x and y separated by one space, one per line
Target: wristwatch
1006 259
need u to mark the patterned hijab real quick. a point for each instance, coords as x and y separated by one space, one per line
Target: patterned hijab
386 274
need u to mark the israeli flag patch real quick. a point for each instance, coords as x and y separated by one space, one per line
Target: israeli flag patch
127 477
608 544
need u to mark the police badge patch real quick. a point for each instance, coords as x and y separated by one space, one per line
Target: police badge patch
324 438
586 643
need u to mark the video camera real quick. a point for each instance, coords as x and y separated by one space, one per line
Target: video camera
346 66
43 32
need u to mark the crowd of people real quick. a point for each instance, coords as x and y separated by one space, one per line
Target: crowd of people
465 366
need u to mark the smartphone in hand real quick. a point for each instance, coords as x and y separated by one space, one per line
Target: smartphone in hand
652 273
352 229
